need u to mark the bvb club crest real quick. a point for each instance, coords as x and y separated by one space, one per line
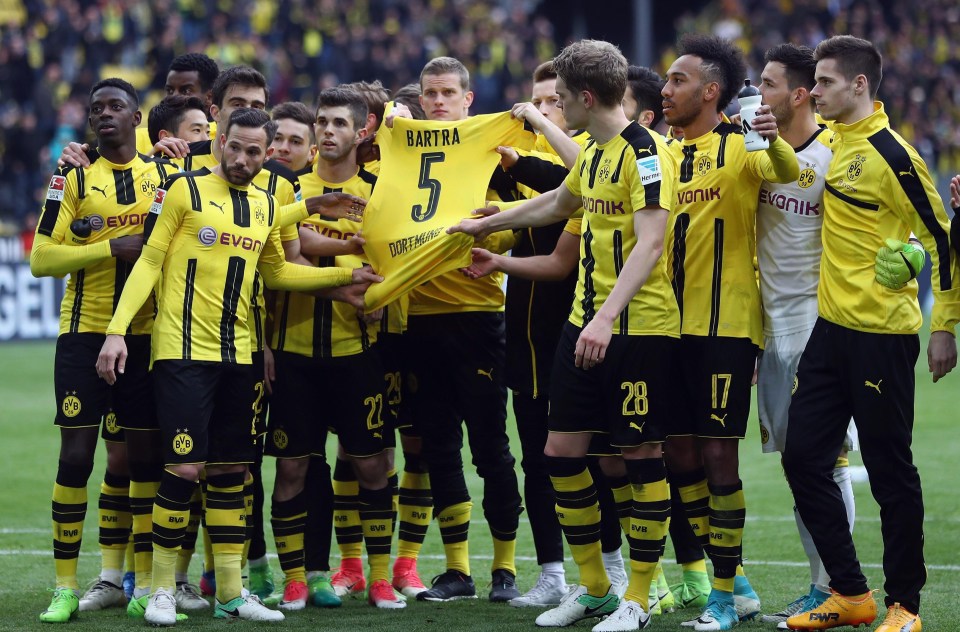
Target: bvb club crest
111 423
71 405
182 442
704 165
855 169
280 438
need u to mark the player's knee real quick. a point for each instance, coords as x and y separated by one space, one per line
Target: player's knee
371 471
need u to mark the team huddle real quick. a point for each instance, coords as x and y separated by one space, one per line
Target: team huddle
241 283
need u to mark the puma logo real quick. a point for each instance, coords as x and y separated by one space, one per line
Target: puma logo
648 149
102 191
908 172
638 428
875 387
722 420
219 206
489 373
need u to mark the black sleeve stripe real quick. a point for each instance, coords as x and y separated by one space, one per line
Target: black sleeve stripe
51 208
368 177
643 144
195 201
869 206
272 210
900 163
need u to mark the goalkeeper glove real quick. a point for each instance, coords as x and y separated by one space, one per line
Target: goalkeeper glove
899 263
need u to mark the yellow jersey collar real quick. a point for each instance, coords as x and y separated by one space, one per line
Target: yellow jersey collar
866 126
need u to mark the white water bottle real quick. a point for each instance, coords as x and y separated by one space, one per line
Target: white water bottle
750 100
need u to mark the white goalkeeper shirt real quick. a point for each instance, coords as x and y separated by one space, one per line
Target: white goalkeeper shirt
789 219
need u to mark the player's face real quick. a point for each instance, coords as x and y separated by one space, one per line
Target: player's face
194 127
337 134
631 108
183 82
834 93
243 154
292 145
237 97
545 99
574 112
112 116
443 99
776 92
683 92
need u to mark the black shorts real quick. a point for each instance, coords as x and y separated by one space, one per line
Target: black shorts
390 348
312 395
717 376
261 401
630 396
207 411
111 430
83 399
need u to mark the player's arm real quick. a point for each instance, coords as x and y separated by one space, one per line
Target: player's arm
915 200
548 208
553 267
279 274
313 244
566 147
778 163
329 206
533 169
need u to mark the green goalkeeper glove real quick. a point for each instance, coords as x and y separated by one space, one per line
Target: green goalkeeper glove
899 263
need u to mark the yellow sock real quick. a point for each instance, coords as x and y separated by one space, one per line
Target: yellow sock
414 507
376 517
69 511
696 504
505 555
289 521
727 514
189 542
114 514
454 531
623 498
225 521
248 516
699 566
648 525
578 512
171 513
346 517
143 494
128 552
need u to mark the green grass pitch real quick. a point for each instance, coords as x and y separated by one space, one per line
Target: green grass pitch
775 561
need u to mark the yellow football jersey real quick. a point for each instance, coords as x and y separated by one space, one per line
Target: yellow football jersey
113 200
432 175
711 237
631 171
210 238
877 186
322 328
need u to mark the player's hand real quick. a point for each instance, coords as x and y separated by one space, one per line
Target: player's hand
75 155
112 359
371 317
508 157
955 193
475 225
399 110
172 147
127 247
735 119
352 295
941 353
367 150
898 263
339 205
353 245
365 275
528 113
269 370
765 123
484 263
592 344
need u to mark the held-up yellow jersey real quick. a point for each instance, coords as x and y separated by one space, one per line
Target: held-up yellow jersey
630 172
432 175
317 327
210 237
114 201
878 187
712 238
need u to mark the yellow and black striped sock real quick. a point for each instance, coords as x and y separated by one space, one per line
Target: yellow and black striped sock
189 543
377 515
144 482
623 498
578 512
393 482
415 507
69 508
696 502
128 552
454 522
648 525
171 514
289 521
208 564
346 517
226 523
248 496
115 520
728 511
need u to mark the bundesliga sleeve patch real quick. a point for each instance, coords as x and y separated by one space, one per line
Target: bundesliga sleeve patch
649 169
158 201
55 191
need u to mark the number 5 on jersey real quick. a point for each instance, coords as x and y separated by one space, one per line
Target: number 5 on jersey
426 182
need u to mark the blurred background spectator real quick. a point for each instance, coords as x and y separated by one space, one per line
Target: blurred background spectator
52 51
